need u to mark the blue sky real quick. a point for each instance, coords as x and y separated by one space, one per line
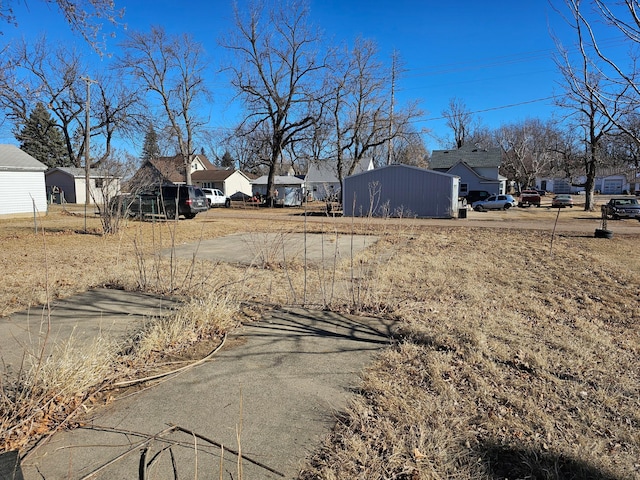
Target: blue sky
494 55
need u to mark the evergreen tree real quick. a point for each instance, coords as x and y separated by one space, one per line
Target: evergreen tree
150 149
227 161
41 138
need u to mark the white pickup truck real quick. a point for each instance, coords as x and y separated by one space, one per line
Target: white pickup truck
215 198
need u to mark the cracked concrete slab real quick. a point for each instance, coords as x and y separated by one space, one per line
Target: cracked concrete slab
274 248
272 392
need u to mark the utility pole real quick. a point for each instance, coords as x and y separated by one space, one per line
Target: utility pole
393 88
87 136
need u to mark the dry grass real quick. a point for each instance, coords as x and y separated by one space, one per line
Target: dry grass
512 362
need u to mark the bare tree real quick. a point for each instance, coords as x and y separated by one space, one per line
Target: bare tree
411 150
621 79
591 107
251 149
274 72
358 102
459 120
529 149
55 77
85 17
173 68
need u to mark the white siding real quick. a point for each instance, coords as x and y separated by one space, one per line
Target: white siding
19 191
237 182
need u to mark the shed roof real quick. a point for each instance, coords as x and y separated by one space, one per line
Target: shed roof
402 166
12 158
77 172
279 180
469 154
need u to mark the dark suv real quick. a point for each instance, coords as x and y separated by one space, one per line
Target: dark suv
475 195
188 200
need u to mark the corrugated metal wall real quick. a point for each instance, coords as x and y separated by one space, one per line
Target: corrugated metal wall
401 191
19 191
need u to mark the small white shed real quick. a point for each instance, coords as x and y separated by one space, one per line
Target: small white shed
22 187
401 191
68 185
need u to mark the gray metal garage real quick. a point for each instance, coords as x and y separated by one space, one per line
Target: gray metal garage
401 191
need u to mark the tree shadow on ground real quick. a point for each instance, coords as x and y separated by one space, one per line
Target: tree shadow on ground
510 462
575 235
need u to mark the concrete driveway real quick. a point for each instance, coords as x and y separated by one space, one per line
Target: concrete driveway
268 397
274 248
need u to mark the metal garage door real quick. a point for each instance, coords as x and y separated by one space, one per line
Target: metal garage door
561 186
612 186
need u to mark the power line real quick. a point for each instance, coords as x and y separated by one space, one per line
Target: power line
504 60
502 107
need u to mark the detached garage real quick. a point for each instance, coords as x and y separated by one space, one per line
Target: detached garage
401 191
21 183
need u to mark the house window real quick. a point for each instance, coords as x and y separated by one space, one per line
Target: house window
463 189
99 182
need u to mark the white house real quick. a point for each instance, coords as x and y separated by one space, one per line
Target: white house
22 188
229 181
68 185
401 191
322 179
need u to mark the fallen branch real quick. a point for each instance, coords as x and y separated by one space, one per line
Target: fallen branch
127 452
128 383
218 444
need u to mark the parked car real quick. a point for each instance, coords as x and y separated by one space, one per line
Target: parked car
475 195
215 198
528 198
562 200
494 202
622 207
185 200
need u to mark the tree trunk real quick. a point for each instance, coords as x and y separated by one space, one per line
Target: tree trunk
589 186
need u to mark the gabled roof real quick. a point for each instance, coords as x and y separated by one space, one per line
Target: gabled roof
12 158
327 170
471 155
456 170
217 175
178 159
169 168
172 169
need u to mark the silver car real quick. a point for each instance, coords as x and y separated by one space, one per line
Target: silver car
494 202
